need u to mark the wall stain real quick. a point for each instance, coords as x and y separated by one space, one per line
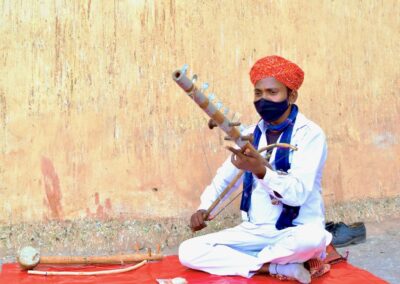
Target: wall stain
102 212
52 189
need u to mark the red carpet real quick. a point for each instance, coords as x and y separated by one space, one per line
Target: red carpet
341 273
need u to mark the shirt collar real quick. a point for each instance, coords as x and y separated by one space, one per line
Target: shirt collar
301 121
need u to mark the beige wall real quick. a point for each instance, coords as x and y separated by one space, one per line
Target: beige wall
91 123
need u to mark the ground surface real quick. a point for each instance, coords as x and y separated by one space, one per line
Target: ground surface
380 254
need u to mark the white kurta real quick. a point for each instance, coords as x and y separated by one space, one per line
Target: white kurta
242 249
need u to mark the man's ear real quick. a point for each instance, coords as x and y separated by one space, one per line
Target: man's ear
292 97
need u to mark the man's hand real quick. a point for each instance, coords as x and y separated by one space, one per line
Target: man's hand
197 221
249 160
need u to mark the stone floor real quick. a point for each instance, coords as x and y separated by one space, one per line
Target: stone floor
380 254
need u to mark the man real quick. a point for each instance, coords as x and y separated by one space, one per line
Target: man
282 205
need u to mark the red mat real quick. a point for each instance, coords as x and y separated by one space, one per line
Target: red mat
341 273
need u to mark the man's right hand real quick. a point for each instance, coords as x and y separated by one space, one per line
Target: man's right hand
197 221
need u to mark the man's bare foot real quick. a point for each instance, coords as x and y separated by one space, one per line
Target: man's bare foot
263 269
293 270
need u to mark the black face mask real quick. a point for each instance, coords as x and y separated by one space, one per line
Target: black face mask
270 111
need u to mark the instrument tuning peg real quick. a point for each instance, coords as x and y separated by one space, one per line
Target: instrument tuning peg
204 87
212 123
184 69
218 105
194 78
211 97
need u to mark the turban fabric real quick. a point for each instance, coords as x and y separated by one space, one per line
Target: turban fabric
279 68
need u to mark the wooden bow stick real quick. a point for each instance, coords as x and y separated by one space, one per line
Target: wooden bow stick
88 273
239 175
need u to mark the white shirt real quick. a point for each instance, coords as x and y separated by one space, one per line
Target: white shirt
301 186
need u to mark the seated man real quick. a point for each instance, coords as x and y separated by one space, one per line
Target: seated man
282 205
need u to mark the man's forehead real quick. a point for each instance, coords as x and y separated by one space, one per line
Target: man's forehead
269 83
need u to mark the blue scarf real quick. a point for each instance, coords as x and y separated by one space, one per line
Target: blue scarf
289 213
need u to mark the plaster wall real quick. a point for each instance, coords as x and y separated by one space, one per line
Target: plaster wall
92 125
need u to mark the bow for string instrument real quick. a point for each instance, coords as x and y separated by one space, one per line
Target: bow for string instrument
218 118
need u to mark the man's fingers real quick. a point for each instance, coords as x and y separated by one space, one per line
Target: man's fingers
241 153
200 220
194 223
237 154
249 153
235 151
197 221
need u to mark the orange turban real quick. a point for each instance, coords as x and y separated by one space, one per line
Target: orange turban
280 68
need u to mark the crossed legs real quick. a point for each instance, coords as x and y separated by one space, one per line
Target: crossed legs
248 249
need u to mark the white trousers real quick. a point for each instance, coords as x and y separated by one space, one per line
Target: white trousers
243 249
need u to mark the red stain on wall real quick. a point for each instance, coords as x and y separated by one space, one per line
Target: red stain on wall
108 204
52 188
102 212
96 198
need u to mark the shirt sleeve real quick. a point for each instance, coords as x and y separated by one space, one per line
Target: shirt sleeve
225 174
294 187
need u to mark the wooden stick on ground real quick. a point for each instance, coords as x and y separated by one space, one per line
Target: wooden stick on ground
88 273
29 257
116 259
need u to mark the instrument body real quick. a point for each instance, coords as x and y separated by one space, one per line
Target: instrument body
210 109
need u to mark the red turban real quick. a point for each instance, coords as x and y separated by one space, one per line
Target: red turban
280 68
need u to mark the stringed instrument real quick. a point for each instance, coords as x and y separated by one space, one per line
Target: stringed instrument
218 118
